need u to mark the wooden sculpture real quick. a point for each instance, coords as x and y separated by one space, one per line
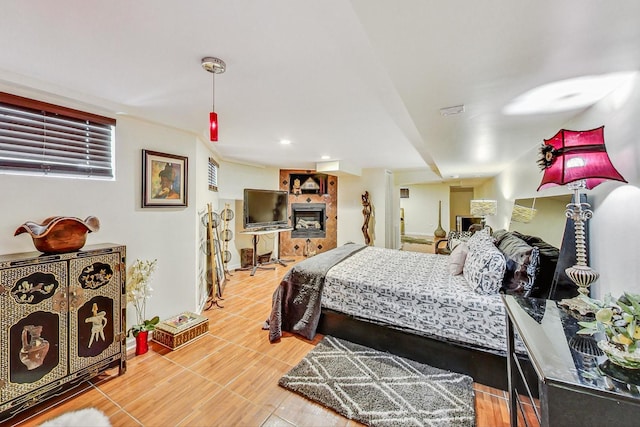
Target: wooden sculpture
366 211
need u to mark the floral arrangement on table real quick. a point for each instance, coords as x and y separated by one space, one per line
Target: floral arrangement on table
138 292
619 320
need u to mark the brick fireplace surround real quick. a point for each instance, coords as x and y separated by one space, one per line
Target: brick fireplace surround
327 195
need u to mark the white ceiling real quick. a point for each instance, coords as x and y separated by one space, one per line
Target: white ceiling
361 81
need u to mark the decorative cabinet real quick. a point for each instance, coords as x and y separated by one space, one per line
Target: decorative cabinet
62 322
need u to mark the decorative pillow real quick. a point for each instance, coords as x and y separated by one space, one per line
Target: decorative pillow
485 265
498 235
457 237
457 258
548 260
522 262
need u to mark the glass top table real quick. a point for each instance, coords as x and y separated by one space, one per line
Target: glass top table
564 360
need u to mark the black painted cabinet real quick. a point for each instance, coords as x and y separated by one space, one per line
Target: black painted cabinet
62 321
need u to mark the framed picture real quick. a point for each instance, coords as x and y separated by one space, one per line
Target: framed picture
164 180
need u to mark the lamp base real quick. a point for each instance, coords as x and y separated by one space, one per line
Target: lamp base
583 276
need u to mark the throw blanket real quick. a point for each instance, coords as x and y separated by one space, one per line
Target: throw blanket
296 301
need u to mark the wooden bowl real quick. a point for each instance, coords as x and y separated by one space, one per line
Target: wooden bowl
59 234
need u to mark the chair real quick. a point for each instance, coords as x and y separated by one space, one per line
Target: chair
452 240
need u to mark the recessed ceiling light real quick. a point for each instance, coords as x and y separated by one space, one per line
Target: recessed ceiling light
566 95
285 141
325 157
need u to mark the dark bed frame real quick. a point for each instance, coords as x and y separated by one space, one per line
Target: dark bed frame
483 366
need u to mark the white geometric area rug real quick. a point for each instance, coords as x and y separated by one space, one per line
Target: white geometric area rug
380 389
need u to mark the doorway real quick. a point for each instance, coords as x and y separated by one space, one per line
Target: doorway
459 202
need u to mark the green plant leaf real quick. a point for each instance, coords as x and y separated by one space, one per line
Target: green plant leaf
592 324
608 300
634 302
587 331
632 347
625 307
623 331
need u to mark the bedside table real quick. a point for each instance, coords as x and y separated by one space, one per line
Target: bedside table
577 385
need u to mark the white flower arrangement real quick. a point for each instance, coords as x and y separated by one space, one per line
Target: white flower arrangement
138 292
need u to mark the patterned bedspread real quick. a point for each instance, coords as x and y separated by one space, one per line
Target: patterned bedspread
415 291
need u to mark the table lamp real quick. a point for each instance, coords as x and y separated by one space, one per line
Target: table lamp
484 208
579 160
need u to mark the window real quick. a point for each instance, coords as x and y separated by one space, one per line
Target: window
42 138
213 174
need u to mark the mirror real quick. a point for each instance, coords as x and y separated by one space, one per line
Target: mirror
549 220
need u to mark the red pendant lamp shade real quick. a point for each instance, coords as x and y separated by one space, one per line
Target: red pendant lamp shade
213 126
214 66
576 155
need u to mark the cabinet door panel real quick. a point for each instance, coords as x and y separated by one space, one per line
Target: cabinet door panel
34 309
95 284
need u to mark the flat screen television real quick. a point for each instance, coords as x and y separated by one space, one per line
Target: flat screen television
265 209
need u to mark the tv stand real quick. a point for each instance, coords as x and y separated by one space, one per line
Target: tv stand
255 265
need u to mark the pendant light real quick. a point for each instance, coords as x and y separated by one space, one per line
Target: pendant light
214 66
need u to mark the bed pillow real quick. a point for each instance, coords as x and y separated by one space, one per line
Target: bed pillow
521 263
457 258
548 260
485 265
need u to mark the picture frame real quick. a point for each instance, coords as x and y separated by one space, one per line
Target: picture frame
164 180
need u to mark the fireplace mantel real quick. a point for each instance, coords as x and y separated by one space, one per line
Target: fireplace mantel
315 209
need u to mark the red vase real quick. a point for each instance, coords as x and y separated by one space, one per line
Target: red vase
142 343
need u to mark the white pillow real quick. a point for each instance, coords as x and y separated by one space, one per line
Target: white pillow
485 265
457 258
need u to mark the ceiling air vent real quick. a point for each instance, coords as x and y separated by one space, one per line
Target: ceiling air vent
452 111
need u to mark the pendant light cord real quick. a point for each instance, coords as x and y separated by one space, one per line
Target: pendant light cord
213 92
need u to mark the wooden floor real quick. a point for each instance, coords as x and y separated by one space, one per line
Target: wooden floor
226 378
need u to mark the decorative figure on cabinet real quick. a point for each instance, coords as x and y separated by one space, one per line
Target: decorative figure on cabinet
366 211
59 234
99 321
34 348
296 187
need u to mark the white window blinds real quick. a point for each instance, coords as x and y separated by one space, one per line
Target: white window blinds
213 175
44 138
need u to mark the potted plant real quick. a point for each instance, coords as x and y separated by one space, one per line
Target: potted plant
138 292
619 321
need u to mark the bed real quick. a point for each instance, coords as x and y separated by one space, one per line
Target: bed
407 303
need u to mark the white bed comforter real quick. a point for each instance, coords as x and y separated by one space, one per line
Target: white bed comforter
415 291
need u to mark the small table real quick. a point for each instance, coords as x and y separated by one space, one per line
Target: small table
577 384
254 240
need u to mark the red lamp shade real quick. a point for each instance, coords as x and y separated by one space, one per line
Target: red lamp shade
575 155
213 126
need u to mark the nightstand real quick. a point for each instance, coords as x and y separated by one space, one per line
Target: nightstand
577 385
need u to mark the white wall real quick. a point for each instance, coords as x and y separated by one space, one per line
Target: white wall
350 217
165 234
233 179
421 208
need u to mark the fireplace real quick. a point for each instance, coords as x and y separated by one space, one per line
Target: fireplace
308 220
